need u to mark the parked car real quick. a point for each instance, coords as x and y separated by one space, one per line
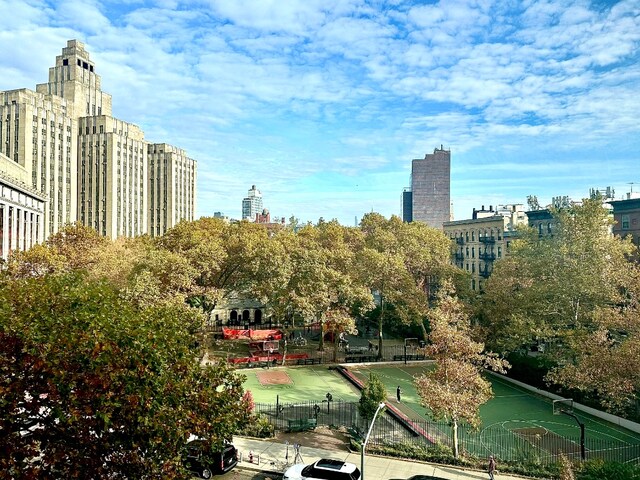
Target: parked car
217 463
323 469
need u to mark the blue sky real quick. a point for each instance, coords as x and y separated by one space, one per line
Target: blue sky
322 104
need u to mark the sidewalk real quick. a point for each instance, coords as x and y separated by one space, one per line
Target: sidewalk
376 468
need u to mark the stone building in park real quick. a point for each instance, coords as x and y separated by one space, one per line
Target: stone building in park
241 312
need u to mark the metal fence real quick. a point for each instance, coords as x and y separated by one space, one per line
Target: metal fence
356 354
521 445
333 413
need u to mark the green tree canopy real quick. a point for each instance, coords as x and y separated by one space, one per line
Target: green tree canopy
372 394
95 387
578 291
402 262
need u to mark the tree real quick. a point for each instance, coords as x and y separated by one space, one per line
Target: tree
455 389
532 202
402 262
229 259
372 394
317 275
337 322
578 291
75 247
94 386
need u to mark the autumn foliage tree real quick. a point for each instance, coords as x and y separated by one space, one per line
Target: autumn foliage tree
402 262
455 388
94 386
579 291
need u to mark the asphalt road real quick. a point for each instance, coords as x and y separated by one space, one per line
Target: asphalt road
240 474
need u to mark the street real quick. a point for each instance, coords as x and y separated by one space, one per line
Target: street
241 474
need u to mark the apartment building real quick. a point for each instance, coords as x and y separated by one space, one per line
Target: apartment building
252 204
626 215
483 239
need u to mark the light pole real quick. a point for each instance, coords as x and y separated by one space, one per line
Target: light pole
366 439
405 348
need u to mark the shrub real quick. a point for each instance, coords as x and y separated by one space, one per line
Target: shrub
258 427
601 470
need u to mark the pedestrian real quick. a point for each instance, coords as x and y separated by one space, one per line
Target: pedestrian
492 467
398 392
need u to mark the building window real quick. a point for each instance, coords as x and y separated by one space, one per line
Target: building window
625 222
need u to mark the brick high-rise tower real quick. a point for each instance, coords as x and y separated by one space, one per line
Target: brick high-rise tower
431 188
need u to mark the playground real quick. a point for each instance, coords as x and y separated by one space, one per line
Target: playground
514 419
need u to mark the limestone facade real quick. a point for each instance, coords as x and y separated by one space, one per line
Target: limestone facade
113 176
38 134
22 209
85 164
482 240
171 186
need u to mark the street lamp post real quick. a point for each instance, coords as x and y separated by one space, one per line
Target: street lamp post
405 348
366 439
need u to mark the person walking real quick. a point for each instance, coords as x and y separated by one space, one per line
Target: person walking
398 392
492 467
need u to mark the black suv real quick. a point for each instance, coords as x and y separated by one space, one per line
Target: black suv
219 462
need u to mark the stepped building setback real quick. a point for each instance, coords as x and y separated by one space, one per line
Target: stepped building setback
429 198
252 204
71 160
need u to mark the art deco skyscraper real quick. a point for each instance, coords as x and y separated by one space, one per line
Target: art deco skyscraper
172 184
74 78
38 135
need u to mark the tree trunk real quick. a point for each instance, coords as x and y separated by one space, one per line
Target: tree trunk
425 335
455 438
380 322
321 342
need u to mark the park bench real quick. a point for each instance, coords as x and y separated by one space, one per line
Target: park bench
361 358
302 424
399 358
309 361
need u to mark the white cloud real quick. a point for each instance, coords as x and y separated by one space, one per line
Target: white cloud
306 95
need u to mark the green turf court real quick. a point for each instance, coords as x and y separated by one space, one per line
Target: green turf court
512 418
308 383
512 408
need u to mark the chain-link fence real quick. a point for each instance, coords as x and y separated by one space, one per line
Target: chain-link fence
531 444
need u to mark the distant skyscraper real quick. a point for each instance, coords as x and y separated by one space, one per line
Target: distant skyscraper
407 205
252 204
430 189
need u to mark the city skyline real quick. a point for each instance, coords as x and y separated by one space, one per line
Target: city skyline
323 105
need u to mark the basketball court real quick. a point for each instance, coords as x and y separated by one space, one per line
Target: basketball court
513 418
